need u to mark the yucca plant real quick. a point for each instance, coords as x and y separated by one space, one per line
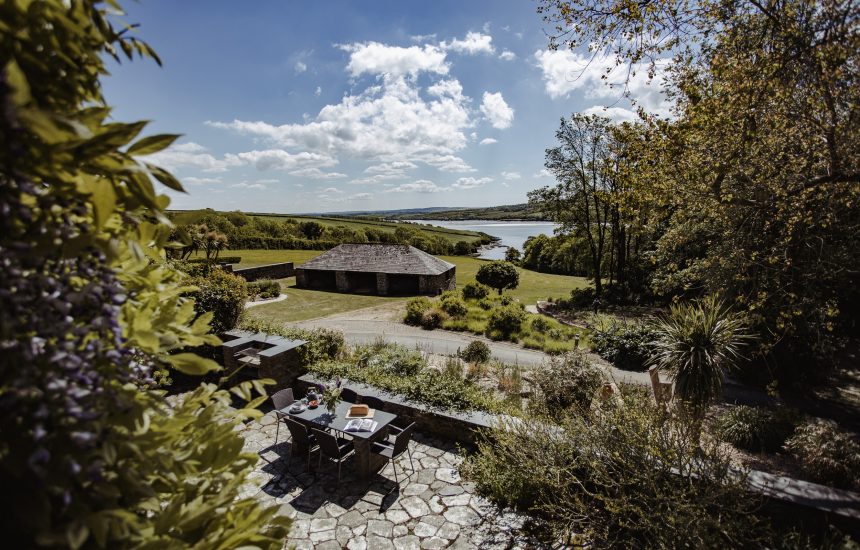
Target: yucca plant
696 343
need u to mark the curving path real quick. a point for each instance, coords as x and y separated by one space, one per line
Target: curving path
366 326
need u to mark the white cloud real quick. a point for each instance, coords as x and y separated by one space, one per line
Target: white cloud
419 186
316 174
601 77
448 163
334 190
395 61
278 159
267 181
300 67
423 37
361 197
507 55
543 173
511 175
474 43
318 91
191 180
390 167
496 110
248 185
617 114
470 183
488 141
191 155
388 122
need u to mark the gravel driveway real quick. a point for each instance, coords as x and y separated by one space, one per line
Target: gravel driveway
364 326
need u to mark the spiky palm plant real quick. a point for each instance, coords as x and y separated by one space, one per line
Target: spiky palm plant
696 344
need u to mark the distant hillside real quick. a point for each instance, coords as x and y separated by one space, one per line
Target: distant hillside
507 212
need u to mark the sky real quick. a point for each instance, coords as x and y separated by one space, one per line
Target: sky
291 107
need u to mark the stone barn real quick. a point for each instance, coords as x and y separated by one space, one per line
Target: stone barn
384 269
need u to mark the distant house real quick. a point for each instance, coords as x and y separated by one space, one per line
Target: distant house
384 269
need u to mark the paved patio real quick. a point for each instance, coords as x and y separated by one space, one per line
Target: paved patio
433 508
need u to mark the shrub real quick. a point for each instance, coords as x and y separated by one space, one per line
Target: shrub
506 320
476 352
475 291
540 324
223 294
510 379
625 345
432 318
486 304
756 428
455 307
507 300
633 479
265 289
498 275
392 359
415 309
426 386
220 260
453 368
827 454
566 381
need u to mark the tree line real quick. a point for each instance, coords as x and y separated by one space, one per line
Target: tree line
208 230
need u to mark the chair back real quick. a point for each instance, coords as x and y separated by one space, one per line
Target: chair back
283 398
348 395
327 442
373 402
298 432
401 442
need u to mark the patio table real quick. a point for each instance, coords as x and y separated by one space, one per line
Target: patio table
366 462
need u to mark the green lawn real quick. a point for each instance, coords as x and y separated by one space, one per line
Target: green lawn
309 304
302 304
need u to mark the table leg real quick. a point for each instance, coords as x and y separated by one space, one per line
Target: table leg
366 462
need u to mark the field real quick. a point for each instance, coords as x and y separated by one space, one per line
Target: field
309 304
453 235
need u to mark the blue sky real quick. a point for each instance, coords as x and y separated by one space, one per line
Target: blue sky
333 106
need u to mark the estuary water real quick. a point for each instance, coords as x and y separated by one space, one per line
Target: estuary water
510 233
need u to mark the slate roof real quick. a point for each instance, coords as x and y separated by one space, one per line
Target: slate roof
394 259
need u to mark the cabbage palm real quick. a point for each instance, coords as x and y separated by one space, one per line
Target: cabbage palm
696 344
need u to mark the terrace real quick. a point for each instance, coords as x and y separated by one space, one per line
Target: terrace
431 508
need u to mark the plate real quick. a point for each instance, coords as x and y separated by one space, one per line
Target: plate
297 408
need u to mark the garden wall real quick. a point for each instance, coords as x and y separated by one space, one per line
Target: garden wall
271 271
459 426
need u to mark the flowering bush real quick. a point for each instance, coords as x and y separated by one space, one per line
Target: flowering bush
92 455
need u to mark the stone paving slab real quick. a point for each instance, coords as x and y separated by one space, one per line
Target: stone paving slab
432 507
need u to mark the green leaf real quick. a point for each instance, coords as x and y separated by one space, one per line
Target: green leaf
191 363
152 144
165 177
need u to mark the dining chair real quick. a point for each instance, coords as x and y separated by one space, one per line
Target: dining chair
348 395
336 449
373 402
392 452
301 439
281 400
